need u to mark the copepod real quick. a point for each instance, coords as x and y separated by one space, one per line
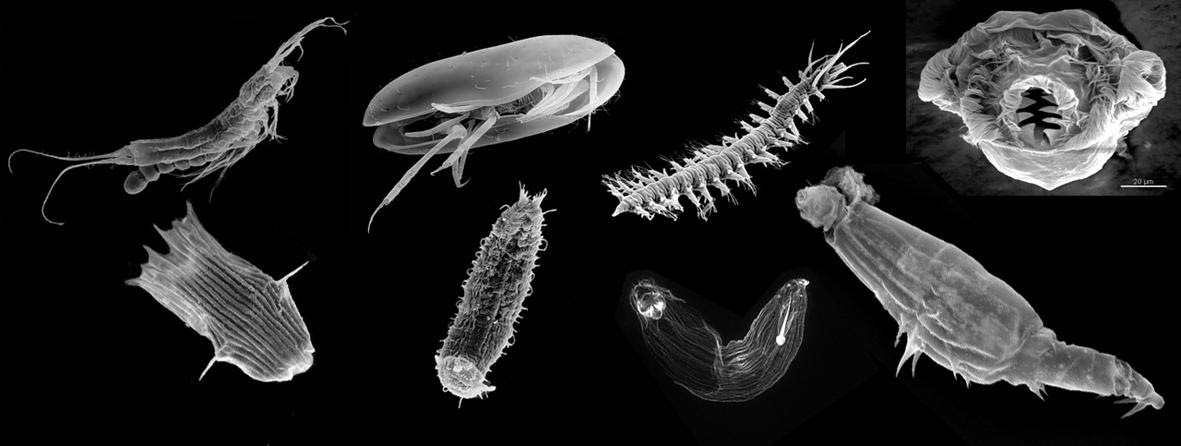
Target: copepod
212 148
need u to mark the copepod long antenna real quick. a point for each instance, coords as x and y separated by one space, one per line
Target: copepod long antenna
59 177
109 158
294 42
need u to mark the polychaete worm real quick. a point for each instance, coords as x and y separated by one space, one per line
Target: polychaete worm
658 192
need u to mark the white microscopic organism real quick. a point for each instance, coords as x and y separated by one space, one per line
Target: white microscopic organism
692 354
250 318
952 309
493 295
1046 97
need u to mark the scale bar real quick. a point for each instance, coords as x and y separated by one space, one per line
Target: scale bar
1143 186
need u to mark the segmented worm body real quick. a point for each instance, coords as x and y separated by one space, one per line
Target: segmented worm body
251 119
493 294
657 192
951 308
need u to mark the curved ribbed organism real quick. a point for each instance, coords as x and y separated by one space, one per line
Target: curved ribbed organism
493 297
658 192
692 353
951 308
1046 97
250 318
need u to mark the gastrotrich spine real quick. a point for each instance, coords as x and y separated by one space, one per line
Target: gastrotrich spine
493 294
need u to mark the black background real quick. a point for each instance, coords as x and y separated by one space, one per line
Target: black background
91 357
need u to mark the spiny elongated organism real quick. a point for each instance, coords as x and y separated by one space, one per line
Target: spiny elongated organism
493 294
657 192
251 119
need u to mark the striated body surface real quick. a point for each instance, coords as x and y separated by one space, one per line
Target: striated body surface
250 318
493 294
694 356
951 308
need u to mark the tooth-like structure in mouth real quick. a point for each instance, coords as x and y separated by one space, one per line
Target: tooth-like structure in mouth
1098 84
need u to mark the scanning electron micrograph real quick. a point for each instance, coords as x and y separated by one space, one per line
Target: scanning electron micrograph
490 96
1047 98
950 307
658 192
249 120
692 353
250 318
493 294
